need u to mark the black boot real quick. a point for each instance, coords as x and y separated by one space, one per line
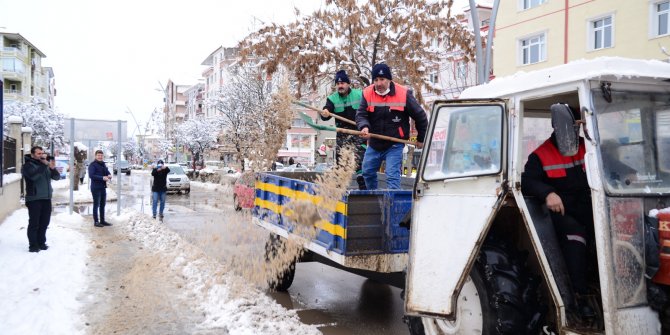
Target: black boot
97 224
33 248
361 183
43 246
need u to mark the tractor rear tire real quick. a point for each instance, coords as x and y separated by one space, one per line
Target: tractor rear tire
505 298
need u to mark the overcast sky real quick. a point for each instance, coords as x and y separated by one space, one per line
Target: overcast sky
108 56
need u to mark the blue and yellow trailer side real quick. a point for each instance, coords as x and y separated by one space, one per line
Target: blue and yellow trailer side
362 231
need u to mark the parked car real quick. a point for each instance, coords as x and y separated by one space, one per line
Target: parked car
63 166
322 167
244 191
278 166
124 165
177 180
296 168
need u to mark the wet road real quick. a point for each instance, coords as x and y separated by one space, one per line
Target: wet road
339 302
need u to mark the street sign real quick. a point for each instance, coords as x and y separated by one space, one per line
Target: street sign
96 130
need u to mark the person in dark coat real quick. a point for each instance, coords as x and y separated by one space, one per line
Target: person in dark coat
159 188
38 171
385 109
344 103
99 175
560 182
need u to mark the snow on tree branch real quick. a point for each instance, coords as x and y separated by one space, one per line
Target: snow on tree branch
355 35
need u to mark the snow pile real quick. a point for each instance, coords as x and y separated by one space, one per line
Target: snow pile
10 178
228 302
61 193
39 290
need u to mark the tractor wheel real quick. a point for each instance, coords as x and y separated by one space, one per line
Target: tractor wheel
499 297
285 279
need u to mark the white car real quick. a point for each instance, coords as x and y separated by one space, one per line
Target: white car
177 179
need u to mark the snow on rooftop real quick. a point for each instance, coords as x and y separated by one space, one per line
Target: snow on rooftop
15 119
573 71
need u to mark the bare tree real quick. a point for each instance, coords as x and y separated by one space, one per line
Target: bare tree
355 35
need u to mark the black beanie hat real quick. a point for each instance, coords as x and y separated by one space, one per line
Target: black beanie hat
341 77
381 70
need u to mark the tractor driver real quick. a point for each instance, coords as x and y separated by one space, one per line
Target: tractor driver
555 172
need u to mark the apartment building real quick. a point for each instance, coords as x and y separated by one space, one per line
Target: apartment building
175 107
195 99
534 34
454 73
217 64
23 76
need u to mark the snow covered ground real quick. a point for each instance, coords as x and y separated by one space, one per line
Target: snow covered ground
83 195
48 292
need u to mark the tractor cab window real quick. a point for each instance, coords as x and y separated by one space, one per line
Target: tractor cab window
634 135
466 141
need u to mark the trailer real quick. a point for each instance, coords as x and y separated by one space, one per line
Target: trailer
362 234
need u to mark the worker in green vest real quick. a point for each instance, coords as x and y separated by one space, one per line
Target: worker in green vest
344 102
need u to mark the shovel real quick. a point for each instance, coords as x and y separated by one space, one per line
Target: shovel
343 119
310 122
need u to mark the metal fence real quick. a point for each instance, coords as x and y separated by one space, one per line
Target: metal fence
9 155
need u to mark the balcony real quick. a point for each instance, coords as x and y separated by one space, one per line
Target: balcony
10 95
13 52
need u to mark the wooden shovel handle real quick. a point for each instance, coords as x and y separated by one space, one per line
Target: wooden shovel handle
343 119
381 137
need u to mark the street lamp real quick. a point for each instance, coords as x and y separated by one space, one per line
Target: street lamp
139 130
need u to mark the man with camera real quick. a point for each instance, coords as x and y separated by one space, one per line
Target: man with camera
159 188
38 171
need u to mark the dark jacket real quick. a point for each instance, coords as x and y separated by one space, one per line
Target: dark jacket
384 121
160 180
38 178
573 188
97 170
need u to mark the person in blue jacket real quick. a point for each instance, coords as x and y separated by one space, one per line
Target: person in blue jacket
99 175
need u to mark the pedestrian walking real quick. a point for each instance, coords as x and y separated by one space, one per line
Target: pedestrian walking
99 176
159 188
38 171
344 103
385 109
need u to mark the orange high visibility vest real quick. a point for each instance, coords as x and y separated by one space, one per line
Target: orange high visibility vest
554 164
397 102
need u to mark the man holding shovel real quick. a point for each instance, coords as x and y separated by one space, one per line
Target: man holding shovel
344 103
385 109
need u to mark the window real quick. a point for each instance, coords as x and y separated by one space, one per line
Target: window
600 31
461 70
533 49
434 77
466 142
527 4
660 13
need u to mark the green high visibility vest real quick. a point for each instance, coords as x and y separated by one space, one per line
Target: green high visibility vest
353 100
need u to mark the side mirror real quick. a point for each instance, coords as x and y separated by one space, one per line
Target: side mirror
566 129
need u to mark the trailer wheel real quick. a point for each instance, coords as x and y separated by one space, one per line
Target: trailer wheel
284 280
499 297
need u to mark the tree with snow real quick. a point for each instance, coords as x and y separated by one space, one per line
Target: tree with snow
198 134
249 114
354 35
47 124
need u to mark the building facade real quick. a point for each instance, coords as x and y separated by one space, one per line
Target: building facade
23 76
534 34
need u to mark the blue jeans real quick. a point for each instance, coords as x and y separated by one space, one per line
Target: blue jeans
155 197
99 199
373 160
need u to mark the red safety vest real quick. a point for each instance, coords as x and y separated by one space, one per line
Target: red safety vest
554 164
396 102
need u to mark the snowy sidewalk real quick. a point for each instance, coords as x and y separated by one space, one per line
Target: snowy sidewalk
50 292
